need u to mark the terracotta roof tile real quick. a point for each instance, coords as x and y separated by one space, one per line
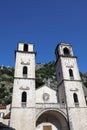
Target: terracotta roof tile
2 107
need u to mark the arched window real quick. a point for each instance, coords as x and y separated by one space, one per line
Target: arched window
66 51
71 73
25 47
76 99
25 72
24 99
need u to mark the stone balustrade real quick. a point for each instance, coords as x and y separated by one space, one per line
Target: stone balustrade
50 105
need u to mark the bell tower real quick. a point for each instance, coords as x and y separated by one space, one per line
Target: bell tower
23 101
70 87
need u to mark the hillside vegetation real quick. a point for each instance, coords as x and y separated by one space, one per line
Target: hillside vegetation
45 74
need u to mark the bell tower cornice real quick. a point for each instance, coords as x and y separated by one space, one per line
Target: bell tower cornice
64 50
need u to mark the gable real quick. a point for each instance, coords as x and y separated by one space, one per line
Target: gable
44 94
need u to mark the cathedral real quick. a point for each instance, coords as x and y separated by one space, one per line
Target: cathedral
45 108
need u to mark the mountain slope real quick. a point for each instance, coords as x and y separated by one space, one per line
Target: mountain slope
45 74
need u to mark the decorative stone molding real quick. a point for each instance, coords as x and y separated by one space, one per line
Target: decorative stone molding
24 88
46 96
73 89
69 66
69 63
25 63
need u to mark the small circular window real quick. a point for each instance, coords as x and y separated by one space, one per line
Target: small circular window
45 96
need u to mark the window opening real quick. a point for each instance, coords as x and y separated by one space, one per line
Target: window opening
66 51
25 47
24 99
25 72
71 74
76 99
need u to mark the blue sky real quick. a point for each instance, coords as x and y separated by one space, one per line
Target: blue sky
44 23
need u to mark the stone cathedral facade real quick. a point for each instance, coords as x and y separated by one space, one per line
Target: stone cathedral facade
45 108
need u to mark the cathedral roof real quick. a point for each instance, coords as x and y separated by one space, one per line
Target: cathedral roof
45 85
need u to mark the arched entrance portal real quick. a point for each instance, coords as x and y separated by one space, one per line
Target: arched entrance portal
51 120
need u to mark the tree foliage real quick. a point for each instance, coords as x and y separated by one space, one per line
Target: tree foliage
43 74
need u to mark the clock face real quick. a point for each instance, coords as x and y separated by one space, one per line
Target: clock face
45 96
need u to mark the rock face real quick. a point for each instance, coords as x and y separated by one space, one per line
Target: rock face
6 84
45 74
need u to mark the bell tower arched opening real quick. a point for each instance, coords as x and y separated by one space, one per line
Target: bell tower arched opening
26 47
66 51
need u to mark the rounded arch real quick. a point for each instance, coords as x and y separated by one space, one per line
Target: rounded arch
53 118
25 71
71 72
24 97
76 101
56 110
66 51
75 96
